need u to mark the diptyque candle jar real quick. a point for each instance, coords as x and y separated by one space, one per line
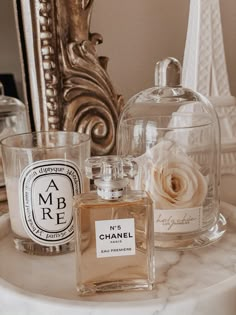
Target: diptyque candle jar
114 231
43 171
173 134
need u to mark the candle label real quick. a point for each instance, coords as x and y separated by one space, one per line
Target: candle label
178 220
46 190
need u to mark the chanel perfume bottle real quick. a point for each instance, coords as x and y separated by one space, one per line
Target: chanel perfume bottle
114 230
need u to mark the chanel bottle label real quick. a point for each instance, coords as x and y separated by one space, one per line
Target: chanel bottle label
115 238
46 189
178 220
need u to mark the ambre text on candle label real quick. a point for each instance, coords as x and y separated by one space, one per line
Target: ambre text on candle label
46 191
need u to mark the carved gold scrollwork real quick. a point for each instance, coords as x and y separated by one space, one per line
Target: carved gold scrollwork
90 102
92 105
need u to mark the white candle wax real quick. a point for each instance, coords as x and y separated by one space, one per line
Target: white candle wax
12 184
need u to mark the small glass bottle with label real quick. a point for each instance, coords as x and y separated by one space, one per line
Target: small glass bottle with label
114 231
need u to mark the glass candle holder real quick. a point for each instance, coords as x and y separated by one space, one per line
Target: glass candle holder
43 171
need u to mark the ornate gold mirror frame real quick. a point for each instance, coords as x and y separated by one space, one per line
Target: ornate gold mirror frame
66 85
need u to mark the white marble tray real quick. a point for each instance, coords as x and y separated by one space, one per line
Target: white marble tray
200 282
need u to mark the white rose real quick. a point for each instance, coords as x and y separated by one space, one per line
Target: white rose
171 177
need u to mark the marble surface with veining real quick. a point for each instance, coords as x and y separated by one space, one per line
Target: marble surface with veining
196 282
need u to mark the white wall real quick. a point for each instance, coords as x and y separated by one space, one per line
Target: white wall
136 34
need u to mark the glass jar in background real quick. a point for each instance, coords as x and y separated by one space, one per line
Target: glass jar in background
173 133
43 171
13 120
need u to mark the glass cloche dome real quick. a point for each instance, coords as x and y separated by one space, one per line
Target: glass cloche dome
173 134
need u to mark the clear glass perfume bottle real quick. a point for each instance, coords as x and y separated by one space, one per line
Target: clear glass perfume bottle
114 231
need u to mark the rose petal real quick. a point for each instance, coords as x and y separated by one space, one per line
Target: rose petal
172 178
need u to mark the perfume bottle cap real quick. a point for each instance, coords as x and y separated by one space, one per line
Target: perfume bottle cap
168 72
111 174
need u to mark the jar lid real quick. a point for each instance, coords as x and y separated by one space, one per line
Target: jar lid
10 105
169 99
166 110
